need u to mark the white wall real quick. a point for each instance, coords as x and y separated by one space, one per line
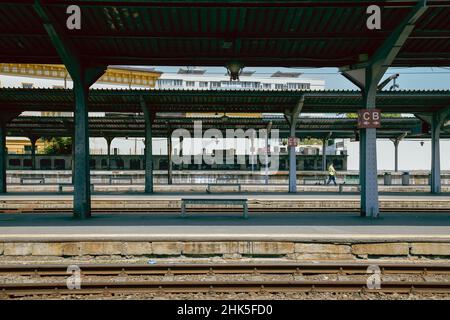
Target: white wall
411 155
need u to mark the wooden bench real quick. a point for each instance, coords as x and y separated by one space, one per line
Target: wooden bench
40 180
111 179
318 180
186 201
208 188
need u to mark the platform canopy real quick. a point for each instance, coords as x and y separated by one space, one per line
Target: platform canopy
241 101
291 33
134 126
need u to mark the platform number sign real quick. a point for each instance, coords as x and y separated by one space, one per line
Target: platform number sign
292 141
369 118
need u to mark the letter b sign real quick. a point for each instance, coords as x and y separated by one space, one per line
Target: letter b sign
369 118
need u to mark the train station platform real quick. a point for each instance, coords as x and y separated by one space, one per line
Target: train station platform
288 234
257 202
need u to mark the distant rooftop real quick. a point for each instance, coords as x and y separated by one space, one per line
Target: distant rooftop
135 68
244 73
191 71
280 74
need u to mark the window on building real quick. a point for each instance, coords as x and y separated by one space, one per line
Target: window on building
249 84
215 84
135 164
298 86
280 86
203 84
118 163
14 162
27 163
27 85
60 164
190 83
267 85
46 164
170 83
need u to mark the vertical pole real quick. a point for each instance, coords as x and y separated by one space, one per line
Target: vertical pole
73 155
396 143
169 157
181 153
148 152
108 159
33 152
252 150
267 157
435 154
81 179
3 156
368 164
292 163
324 154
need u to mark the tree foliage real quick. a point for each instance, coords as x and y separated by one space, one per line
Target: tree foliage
58 145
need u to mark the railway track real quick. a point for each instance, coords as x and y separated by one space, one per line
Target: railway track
10 290
125 284
227 268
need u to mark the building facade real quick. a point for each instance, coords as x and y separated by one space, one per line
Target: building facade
200 79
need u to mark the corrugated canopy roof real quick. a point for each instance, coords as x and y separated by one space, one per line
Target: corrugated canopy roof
133 126
213 32
241 101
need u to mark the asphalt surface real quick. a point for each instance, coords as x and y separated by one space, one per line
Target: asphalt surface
226 226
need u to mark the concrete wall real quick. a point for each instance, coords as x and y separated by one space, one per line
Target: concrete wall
299 251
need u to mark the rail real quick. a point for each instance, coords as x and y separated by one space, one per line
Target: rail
58 287
227 268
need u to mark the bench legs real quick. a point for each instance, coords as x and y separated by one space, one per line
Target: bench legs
183 209
245 211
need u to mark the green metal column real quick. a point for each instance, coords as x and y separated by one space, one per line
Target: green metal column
396 143
108 143
83 74
368 174
33 151
292 118
81 179
435 154
72 164
3 157
367 74
292 164
169 157
148 152
324 154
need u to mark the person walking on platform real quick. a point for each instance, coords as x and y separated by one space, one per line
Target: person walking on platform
331 174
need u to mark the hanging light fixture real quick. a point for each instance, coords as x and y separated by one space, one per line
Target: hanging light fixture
234 69
224 118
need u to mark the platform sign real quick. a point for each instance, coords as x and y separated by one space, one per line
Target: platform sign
369 118
292 141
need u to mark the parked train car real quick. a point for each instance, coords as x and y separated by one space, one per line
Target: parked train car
160 162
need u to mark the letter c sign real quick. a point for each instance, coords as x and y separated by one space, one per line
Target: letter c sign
369 118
